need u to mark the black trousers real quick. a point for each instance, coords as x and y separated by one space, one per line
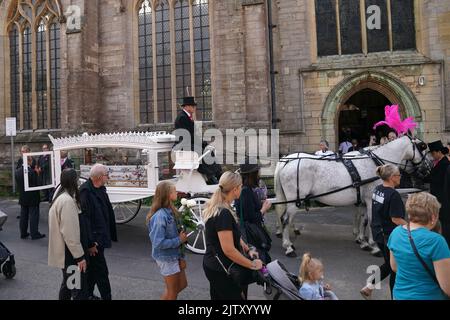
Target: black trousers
98 275
74 294
29 214
222 288
385 269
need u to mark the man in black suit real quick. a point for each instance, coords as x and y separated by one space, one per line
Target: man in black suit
439 183
23 150
185 120
29 202
437 178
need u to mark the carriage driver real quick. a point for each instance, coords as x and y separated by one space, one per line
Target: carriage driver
185 120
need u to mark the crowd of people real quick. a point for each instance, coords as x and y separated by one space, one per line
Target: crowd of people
82 226
414 238
416 254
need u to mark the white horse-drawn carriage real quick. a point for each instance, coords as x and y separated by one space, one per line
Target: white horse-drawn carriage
298 178
129 184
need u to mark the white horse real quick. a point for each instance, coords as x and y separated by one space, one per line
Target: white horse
302 175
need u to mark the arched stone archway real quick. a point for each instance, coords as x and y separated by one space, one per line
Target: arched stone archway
386 84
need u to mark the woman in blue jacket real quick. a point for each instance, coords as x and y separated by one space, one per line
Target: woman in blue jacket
166 240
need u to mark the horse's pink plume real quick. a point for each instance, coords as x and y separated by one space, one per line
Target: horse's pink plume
394 121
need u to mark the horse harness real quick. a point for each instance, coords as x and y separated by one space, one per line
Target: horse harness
357 182
356 178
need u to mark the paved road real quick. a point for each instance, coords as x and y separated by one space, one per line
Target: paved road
135 276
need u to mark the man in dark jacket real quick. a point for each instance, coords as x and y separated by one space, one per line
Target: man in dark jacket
185 120
29 202
45 172
23 150
102 228
438 181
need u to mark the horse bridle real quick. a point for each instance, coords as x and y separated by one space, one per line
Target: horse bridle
423 155
415 165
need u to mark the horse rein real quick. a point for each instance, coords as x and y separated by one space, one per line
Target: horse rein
415 165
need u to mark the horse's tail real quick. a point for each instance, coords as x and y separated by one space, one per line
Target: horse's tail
279 193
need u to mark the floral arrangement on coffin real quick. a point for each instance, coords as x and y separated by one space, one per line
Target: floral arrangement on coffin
187 219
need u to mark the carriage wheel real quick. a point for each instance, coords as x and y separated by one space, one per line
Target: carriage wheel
126 211
196 239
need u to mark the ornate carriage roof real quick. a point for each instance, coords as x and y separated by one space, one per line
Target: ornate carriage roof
140 140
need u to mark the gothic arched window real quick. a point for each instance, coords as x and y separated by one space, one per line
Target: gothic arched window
33 28
174 58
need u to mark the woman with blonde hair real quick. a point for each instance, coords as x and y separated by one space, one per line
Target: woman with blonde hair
224 245
388 211
419 256
167 240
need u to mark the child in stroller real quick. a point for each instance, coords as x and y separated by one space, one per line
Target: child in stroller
280 284
311 275
7 263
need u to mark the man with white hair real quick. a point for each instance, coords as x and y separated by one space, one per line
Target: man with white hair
96 205
324 145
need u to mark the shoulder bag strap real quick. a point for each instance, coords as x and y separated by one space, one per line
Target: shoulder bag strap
241 220
216 255
416 252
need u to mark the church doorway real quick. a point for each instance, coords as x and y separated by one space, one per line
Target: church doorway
360 113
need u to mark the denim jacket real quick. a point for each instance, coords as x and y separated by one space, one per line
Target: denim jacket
164 236
312 291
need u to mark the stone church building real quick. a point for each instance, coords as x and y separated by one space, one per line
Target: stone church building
307 67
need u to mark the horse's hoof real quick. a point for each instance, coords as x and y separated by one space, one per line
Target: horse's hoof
376 253
278 235
358 240
365 246
291 254
297 232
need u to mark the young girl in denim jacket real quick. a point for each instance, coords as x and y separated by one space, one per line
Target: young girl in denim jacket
166 240
311 277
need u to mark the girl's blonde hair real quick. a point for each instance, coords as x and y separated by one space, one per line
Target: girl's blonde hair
307 267
227 183
162 199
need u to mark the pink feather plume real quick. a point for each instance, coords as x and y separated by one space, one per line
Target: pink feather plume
394 121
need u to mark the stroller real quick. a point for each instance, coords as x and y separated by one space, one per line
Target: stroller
7 262
279 283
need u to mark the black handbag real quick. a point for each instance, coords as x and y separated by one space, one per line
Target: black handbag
253 233
240 275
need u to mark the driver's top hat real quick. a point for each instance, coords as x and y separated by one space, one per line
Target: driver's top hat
189 101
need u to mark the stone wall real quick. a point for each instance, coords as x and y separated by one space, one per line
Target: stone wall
305 82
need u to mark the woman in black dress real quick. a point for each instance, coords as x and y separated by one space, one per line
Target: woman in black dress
251 209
